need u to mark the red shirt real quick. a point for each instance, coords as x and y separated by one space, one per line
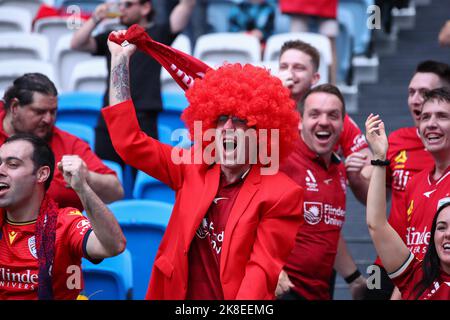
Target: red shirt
321 8
408 157
310 263
410 274
206 247
63 143
19 263
422 198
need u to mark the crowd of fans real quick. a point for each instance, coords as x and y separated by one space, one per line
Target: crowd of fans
236 231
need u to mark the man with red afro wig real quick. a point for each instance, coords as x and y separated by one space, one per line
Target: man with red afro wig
232 226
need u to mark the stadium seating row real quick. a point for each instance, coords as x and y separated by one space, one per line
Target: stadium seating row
127 275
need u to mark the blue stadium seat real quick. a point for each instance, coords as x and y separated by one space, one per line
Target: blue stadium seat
82 131
147 187
167 124
358 8
174 101
80 107
112 279
115 167
143 223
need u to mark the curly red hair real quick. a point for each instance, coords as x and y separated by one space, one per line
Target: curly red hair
247 92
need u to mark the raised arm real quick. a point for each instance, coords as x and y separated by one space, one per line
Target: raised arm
130 142
82 38
180 15
106 239
390 247
119 88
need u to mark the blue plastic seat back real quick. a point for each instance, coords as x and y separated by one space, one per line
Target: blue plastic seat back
171 130
147 187
112 279
84 132
174 101
115 167
143 223
80 107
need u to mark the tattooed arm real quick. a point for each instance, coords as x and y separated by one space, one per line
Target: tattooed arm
119 89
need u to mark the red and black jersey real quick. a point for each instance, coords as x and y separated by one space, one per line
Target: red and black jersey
19 274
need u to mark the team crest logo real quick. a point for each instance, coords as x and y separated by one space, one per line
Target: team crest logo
312 212
32 246
202 230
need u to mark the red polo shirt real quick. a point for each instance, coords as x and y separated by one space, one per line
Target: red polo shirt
310 264
19 269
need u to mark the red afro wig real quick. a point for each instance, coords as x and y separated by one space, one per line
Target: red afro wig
247 92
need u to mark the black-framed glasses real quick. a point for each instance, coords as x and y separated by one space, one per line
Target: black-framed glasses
235 120
127 4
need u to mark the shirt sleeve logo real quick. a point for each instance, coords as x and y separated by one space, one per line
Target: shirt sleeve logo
312 212
311 182
84 225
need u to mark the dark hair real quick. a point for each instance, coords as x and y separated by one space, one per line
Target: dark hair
305 48
442 70
439 94
42 154
24 86
327 88
431 263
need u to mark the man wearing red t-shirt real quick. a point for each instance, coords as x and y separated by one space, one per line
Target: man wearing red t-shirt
298 66
41 245
317 169
407 153
30 106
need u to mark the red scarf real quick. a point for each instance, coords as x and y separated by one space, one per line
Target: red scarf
181 66
45 244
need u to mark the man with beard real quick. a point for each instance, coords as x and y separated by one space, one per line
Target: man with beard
30 106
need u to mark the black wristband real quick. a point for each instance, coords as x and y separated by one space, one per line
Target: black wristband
355 275
379 162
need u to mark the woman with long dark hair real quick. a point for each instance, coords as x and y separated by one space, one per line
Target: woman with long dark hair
424 280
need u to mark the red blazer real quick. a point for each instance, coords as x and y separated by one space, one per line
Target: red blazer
260 231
